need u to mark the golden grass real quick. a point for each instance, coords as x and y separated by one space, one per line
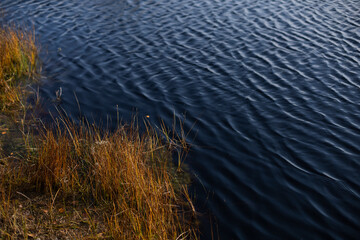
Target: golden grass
18 63
127 178
75 180
131 174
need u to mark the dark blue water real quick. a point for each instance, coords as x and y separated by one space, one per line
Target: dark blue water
273 88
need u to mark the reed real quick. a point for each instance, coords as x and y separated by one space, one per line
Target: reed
79 181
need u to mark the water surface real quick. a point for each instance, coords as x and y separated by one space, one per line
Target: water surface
273 88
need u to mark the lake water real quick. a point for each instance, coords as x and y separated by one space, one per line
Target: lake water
269 88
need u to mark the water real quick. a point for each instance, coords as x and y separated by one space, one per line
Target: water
271 90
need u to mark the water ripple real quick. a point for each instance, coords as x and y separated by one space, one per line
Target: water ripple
272 87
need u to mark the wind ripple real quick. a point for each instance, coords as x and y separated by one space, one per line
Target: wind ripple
269 89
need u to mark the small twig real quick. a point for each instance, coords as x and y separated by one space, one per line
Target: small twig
55 197
23 195
180 236
153 150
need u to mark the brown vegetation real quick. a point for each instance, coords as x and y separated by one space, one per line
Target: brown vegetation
18 63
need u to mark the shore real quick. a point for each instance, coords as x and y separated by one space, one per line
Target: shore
67 180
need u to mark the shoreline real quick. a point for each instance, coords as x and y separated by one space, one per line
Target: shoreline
79 181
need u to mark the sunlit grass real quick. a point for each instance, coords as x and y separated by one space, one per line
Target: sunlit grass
130 173
128 179
18 63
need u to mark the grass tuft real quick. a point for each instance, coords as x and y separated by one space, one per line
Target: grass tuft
18 63
130 173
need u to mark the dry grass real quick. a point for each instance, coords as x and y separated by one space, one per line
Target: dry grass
125 182
18 63
77 181
131 174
